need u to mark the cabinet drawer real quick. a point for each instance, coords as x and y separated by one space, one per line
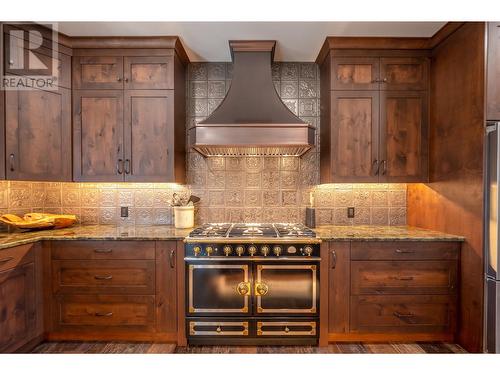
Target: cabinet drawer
218 328
404 250
15 256
393 314
107 276
103 250
403 277
105 311
98 72
286 329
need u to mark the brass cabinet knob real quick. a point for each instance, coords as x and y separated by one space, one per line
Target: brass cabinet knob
219 329
287 329
261 289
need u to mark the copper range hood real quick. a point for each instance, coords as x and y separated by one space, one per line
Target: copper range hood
252 119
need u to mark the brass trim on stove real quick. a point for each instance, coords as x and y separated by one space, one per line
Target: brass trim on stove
286 331
253 259
193 309
219 330
311 267
264 240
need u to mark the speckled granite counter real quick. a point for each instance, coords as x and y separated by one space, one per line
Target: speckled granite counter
95 232
381 233
168 232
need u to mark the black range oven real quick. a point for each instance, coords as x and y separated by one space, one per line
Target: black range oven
252 290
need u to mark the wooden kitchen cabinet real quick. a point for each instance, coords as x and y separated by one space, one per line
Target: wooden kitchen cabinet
355 136
135 132
20 297
375 122
404 140
392 290
38 135
149 135
493 72
108 290
98 72
98 135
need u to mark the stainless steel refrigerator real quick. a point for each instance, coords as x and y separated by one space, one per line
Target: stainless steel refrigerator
491 231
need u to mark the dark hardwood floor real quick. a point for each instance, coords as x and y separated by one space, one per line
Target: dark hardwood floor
336 348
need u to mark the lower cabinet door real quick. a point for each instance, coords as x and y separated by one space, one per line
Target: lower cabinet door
286 289
403 314
17 307
105 313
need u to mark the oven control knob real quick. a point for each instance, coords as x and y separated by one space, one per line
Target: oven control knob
240 250
209 250
252 250
264 250
228 250
308 250
197 250
277 250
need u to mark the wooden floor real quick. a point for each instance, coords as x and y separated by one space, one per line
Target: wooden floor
145 348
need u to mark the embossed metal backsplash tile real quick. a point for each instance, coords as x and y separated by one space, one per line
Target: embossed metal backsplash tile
248 189
277 189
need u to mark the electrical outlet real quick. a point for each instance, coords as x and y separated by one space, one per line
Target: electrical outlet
350 212
124 211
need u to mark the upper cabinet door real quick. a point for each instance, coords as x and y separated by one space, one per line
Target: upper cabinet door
493 72
355 73
98 135
38 135
404 136
98 72
404 73
149 72
355 138
149 131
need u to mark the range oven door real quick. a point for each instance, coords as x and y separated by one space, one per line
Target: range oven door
218 289
286 288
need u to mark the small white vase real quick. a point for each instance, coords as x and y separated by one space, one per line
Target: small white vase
184 217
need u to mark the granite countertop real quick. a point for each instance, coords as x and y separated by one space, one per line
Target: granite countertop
381 233
168 232
95 232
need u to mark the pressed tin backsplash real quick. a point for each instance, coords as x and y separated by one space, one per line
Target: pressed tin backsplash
251 189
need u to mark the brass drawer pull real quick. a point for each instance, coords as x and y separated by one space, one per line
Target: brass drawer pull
375 167
286 331
172 258
333 260
5 260
11 162
103 251
219 330
399 251
103 314
103 277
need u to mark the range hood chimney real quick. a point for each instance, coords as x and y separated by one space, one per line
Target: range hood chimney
252 119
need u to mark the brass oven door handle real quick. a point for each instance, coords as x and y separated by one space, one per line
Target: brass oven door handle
261 289
243 288
103 277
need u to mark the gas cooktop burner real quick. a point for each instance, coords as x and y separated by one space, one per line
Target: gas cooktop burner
243 230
